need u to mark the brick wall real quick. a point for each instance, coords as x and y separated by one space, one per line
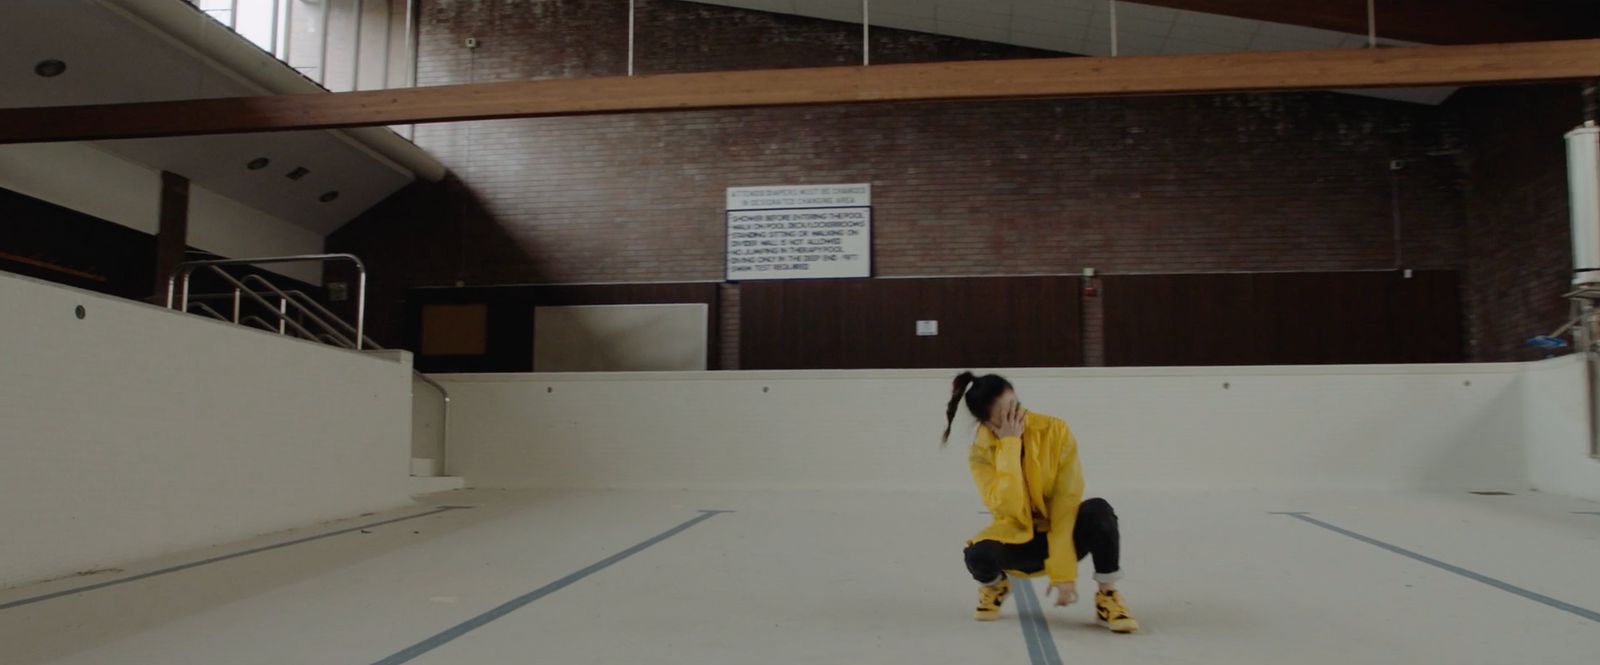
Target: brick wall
1162 184
1519 234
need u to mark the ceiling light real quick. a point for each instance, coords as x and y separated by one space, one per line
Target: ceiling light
50 68
328 197
298 173
258 163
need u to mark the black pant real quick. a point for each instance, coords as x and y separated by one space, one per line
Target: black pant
1095 533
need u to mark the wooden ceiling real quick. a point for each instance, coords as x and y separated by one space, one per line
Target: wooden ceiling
1427 21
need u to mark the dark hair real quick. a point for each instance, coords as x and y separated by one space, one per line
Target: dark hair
980 393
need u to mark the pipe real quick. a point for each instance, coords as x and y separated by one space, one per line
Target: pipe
444 421
361 304
187 268
355 63
866 32
1372 24
207 309
288 31
388 39
343 341
305 301
1113 28
276 10
322 61
411 44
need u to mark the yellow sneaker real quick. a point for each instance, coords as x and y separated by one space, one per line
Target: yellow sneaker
990 597
1113 614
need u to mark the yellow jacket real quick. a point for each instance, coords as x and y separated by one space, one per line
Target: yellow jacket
1032 484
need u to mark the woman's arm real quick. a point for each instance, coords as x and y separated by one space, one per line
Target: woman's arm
997 470
1062 566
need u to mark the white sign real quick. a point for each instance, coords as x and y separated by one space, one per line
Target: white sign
799 196
927 328
799 244
799 232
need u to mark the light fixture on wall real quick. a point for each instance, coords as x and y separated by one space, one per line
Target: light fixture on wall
50 68
328 197
258 163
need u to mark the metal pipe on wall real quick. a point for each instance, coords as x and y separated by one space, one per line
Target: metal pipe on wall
630 36
1113 28
288 30
866 32
355 59
388 39
322 61
1372 24
410 53
276 8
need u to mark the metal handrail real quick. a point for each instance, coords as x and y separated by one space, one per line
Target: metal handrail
262 323
307 301
208 310
326 328
444 420
282 316
183 271
300 299
308 307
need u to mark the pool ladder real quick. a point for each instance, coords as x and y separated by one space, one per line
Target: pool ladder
294 311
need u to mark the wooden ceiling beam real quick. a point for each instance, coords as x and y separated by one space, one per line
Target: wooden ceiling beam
946 81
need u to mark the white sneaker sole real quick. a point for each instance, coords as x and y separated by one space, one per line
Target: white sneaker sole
1119 631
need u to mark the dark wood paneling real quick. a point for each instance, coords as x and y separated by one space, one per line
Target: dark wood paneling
511 310
1283 318
173 235
47 241
859 324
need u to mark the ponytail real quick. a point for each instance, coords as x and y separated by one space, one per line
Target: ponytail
957 390
979 392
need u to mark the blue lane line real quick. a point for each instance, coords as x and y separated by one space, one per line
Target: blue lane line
216 559
412 652
1477 577
1041 646
1035 656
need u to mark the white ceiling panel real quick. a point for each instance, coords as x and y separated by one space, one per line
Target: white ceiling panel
113 58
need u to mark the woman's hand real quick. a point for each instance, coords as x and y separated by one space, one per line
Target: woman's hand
1066 593
1009 423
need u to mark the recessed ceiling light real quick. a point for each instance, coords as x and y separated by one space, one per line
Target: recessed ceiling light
298 173
258 163
328 197
50 68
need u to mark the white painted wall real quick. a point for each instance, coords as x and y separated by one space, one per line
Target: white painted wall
224 226
1556 430
138 431
85 178
611 338
1369 427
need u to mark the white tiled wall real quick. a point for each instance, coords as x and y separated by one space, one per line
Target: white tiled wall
136 431
1347 428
